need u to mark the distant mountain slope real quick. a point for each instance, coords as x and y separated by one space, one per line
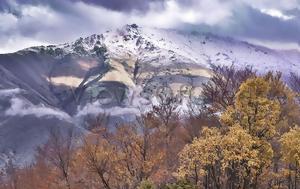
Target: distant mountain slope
115 72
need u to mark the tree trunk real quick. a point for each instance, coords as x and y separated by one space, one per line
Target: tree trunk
296 172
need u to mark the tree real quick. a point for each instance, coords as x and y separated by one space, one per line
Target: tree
11 172
100 158
253 110
181 184
146 184
124 157
219 92
232 160
287 98
139 146
167 116
294 82
166 111
258 114
194 123
202 158
288 118
240 151
290 150
59 152
242 158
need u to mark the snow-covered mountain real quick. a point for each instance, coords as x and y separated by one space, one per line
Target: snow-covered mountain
116 72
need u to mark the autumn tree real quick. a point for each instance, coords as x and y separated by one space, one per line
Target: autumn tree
38 175
290 150
287 98
146 184
288 118
241 150
101 159
253 110
180 184
200 161
58 152
124 156
140 145
219 92
11 171
194 123
242 158
217 160
258 114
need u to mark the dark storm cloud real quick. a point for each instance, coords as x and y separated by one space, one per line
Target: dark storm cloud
116 5
121 5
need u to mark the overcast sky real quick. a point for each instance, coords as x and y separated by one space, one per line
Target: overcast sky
25 23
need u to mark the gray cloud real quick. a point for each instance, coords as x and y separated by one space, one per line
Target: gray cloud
116 5
121 5
250 22
25 23
247 22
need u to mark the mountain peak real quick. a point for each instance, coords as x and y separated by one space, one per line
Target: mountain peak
169 46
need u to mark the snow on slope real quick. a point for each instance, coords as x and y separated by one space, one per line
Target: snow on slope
162 47
204 49
166 46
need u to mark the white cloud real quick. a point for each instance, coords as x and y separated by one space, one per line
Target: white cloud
175 14
18 42
96 108
10 92
21 108
273 4
276 13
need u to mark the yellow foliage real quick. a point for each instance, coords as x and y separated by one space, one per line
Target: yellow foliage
243 151
253 111
290 146
238 146
203 151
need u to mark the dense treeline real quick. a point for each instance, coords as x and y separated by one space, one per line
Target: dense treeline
243 135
